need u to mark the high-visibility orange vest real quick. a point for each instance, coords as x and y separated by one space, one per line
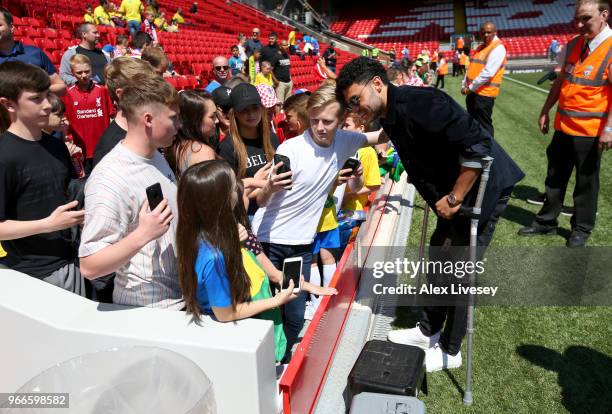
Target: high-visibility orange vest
435 57
460 43
477 64
584 101
443 68
463 59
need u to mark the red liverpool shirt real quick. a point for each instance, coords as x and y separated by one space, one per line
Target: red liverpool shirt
89 112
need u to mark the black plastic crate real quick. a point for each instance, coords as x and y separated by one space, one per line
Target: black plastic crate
388 368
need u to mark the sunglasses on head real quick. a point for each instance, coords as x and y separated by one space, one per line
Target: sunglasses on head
220 68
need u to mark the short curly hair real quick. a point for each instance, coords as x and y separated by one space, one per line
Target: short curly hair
359 70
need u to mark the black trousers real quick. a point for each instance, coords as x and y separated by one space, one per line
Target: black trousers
481 108
439 80
564 153
450 241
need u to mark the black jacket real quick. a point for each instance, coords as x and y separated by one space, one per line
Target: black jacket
433 134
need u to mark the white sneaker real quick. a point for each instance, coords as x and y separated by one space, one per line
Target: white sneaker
414 337
436 359
309 311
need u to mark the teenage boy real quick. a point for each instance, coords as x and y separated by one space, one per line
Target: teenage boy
121 234
286 223
119 74
35 170
88 108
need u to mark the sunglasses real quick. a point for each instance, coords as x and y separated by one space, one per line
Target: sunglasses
353 101
255 33
221 68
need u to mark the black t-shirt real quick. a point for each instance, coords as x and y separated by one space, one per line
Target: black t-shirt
256 158
98 62
282 67
34 177
111 137
330 57
269 52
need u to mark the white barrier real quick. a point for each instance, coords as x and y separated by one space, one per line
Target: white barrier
43 325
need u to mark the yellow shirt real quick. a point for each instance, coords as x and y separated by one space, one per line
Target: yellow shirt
102 16
2 252
178 19
292 38
89 18
371 177
132 10
161 23
328 220
265 80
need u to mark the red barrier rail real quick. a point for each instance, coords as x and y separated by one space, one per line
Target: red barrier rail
301 384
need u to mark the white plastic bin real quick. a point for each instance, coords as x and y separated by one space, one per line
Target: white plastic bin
134 380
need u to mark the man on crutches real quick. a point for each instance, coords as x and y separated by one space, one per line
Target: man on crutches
443 150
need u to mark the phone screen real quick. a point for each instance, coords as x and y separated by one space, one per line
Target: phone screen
292 270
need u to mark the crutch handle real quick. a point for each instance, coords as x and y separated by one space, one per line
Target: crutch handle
471 212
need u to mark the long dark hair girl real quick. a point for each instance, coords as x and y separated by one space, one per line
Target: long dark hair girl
198 127
206 200
263 130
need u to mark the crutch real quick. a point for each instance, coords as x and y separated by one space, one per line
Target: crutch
474 214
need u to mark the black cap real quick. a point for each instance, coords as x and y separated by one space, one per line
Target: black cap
222 97
244 95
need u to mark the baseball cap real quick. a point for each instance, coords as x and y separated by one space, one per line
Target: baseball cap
244 95
268 95
222 97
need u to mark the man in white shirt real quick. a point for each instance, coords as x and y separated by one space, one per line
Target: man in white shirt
291 203
484 77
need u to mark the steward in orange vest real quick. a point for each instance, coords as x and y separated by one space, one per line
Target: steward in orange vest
583 125
442 71
584 101
477 65
484 77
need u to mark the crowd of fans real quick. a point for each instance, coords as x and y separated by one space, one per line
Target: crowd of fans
80 147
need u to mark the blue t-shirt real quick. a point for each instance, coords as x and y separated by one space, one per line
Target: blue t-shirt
236 64
212 86
29 54
213 284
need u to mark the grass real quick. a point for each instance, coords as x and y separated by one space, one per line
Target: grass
530 78
529 359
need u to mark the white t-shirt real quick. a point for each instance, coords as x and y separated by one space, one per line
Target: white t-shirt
114 194
291 216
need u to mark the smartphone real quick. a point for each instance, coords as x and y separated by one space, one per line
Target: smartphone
352 163
154 195
292 270
286 167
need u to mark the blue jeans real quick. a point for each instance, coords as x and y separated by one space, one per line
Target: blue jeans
293 312
134 26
